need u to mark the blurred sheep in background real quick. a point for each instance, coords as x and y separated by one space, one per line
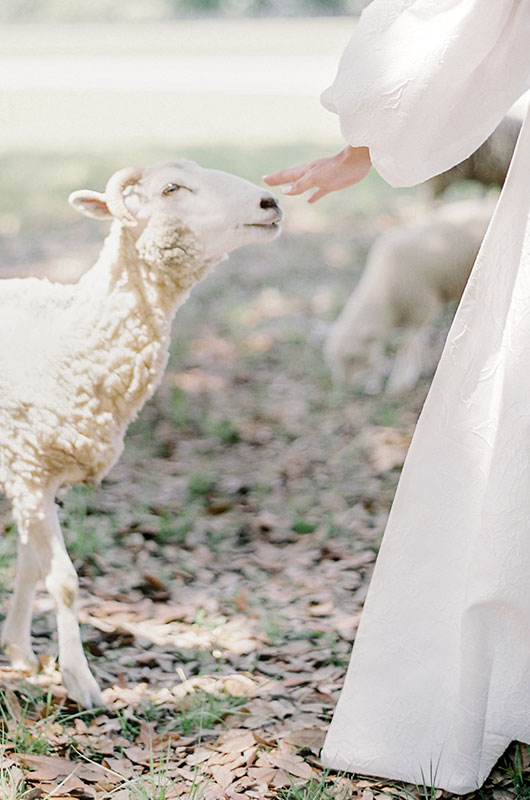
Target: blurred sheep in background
412 271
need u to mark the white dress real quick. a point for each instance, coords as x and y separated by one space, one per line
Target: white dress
439 680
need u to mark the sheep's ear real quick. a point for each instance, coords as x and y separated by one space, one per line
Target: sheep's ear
91 204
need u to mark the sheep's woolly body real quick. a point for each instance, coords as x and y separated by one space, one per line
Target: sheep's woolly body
78 362
410 272
487 165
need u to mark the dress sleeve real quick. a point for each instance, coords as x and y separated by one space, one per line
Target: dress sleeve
423 83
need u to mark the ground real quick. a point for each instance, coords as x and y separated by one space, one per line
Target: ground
224 561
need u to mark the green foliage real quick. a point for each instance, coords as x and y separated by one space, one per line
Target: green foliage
17 732
135 10
202 710
7 555
87 533
129 725
513 764
173 531
316 789
303 526
200 485
225 431
11 787
273 627
260 7
156 786
178 407
385 415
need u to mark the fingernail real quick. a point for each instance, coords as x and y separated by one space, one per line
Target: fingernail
287 189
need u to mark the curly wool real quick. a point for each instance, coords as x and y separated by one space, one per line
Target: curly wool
81 360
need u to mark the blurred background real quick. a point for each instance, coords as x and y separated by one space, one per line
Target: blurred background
252 493
88 87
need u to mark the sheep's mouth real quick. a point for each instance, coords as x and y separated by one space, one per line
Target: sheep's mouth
267 225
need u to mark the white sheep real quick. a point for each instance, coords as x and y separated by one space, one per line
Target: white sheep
411 271
489 164
78 361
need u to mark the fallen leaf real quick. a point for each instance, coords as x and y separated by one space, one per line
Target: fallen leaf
312 738
294 765
222 775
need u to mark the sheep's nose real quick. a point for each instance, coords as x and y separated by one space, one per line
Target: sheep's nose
269 201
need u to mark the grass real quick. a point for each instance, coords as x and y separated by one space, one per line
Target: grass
513 764
196 713
37 179
25 725
154 786
225 431
179 407
272 625
321 788
53 175
303 526
385 414
157 784
200 711
7 554
12 788
171 532
201 485
18 731
87 533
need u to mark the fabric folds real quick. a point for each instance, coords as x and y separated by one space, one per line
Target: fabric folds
423 83
439 680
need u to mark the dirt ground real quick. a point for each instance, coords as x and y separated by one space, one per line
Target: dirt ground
224 561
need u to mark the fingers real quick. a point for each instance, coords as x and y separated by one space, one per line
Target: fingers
300 188
276 178
318 195
298 180
287 175
308 181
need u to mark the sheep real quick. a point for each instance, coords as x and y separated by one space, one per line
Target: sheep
411 271
78 361
487 165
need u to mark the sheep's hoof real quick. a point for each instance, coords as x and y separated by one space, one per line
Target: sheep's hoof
82 688
21 658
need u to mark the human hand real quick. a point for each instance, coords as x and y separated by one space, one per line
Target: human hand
325 175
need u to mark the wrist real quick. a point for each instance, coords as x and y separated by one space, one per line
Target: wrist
356 154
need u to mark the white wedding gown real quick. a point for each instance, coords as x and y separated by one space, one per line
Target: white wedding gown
439 680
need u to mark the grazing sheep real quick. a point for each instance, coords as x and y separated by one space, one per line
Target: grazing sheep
77 362
410 272
487 165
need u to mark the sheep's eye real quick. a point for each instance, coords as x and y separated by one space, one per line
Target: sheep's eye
172 187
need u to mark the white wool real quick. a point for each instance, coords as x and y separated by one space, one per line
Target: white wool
489 164
77 363
411 271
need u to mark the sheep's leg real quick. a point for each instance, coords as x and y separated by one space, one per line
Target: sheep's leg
16 634
409 362
43 535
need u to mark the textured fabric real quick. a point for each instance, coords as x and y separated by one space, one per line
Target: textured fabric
424 82
439 680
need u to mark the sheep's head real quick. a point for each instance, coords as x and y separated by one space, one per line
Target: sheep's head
222 211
